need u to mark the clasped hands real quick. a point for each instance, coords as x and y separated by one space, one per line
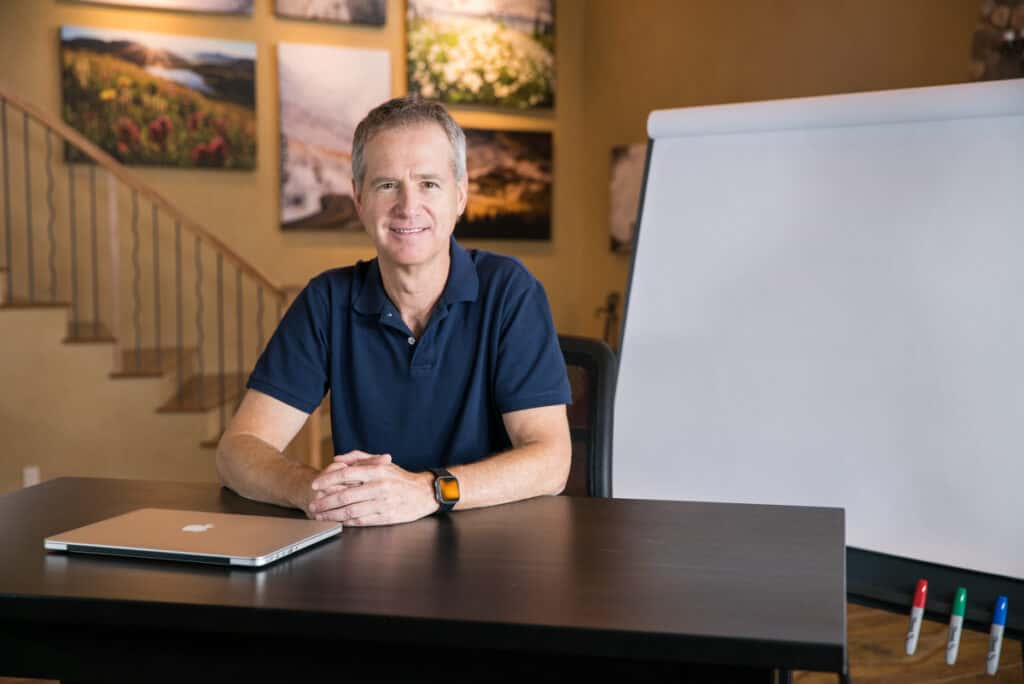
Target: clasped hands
361 489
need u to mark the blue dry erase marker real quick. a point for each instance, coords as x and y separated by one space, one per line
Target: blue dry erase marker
995 637
956 625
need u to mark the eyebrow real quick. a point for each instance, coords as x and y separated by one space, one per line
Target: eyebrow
417 176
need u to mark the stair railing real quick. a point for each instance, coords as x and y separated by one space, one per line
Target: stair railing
144 311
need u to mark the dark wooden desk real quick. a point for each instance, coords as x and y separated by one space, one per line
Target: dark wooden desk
589 587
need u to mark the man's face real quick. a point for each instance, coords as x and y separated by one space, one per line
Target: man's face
410 200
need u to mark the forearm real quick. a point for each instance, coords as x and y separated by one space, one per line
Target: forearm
257 470
536 469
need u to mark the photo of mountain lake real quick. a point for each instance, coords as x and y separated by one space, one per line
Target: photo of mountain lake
161 100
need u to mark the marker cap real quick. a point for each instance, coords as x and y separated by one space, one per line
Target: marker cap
921 593
999 617
960 602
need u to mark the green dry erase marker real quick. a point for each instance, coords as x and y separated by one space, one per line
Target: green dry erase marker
956 624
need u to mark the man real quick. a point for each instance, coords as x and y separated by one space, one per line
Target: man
448 388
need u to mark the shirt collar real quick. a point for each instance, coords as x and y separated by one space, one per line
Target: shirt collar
463 284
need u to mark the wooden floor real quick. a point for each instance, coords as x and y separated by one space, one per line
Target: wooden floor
875 640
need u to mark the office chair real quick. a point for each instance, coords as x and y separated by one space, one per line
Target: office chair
592 368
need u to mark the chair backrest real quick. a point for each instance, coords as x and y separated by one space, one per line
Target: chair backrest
592 367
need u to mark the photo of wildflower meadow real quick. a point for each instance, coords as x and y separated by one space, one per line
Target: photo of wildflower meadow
483 52
509 185
155 99
325 92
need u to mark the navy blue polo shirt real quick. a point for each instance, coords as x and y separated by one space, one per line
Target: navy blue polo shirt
489 347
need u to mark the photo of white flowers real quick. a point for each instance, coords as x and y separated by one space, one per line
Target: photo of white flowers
365 12
627 177
325 92
509 185
483 52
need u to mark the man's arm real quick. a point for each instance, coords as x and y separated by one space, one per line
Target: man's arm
537 464
384 493
250 458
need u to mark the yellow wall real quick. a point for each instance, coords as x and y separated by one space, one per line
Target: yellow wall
241 207
616 60
655 54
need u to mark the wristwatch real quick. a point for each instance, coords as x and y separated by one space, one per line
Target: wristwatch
446 489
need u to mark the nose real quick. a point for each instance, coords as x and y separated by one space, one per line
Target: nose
407 201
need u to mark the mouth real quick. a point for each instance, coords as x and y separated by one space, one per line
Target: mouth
407 231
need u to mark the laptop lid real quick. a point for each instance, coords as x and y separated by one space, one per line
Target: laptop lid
216 538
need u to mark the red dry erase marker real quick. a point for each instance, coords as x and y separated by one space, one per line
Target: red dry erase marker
916 615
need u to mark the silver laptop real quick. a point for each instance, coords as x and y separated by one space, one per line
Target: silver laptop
217 538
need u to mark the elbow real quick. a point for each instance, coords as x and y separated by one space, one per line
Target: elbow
222 460
563 459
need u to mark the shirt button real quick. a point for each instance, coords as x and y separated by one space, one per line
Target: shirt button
412 340
389 314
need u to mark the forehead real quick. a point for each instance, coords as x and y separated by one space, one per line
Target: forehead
423 146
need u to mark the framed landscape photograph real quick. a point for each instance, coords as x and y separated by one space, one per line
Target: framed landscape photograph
483 52
510 174
163 100
325 92
363 12
211 6
627 175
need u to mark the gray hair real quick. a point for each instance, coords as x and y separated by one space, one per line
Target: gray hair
407 111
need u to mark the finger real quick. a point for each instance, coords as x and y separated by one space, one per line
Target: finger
346 496
354 474
357 456
362 509
368 521
335 477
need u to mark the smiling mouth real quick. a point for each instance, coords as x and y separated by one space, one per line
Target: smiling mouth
407 231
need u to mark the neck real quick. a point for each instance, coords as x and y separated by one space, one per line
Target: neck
414 290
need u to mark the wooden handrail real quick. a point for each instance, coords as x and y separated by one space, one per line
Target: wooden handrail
101 158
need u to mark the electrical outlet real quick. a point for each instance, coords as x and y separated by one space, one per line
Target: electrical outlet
30 475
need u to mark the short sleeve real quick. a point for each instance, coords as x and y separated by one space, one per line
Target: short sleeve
293 367
530 366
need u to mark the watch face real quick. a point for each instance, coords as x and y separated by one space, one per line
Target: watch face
448 489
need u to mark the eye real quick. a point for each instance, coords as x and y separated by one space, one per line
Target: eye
386 185
431 185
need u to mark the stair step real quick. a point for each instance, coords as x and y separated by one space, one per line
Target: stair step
86 332
202 393
37 304
150 362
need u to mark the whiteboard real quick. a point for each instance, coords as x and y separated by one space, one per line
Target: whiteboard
827 308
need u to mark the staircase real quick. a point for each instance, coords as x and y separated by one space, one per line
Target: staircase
124 271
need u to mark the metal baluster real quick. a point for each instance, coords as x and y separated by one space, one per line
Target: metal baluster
177 308
95 253
51 217
73 229
156 292
241 350
220 340
136 271
259 321
28 216
9 255
200 337
114 226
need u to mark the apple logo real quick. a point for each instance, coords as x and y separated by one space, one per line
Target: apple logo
196 528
